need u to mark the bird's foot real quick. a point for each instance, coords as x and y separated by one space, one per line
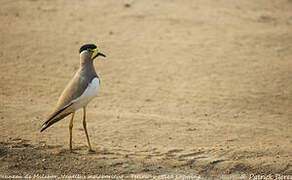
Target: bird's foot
91 151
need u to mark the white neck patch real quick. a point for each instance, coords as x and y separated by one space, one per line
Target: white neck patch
84 51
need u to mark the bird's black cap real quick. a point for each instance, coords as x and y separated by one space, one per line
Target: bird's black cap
87 46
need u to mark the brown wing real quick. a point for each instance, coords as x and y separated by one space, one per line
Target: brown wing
64 104
73 90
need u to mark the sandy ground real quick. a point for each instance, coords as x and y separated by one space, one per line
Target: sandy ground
188 88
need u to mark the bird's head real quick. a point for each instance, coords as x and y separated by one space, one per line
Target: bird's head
90 51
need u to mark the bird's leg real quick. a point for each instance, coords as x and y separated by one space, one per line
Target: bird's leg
70 130
85 129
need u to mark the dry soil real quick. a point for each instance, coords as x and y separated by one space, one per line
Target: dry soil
188 88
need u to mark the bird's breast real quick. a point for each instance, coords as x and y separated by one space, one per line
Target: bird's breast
89 93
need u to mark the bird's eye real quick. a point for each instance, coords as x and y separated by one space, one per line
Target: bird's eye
89 50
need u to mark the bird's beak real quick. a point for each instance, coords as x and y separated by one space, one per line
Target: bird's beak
95 54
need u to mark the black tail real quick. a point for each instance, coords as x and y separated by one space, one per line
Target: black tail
53 121
55 118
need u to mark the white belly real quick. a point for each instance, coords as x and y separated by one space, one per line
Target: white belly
88 94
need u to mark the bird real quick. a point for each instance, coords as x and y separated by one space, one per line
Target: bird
82 88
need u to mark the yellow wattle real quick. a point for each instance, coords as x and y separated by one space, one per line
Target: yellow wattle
95 51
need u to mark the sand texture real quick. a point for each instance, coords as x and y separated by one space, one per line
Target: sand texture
200 87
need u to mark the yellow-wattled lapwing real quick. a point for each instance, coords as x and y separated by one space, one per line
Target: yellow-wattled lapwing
82 88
